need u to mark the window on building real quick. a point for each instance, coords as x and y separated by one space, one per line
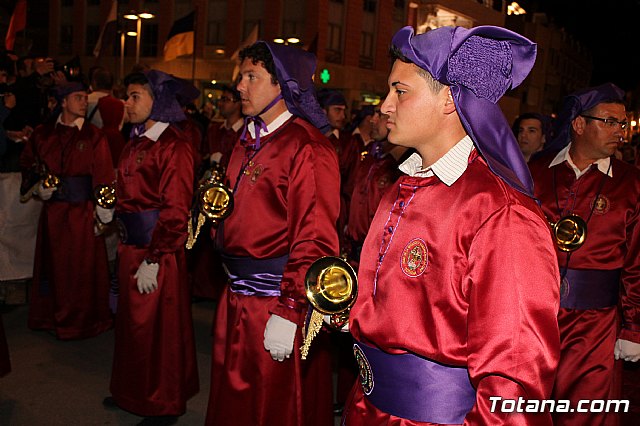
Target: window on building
149 40
215 33
369 6
334 43
93 32
66 39
366 50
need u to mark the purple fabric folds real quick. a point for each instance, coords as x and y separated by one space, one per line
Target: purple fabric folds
480 65
255 277
165 89
415 388
295 69
575 104
136 229
74 189
589 289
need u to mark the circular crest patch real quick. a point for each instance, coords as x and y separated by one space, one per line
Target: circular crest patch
366 375
81 146
564 288
140 157
414 260
257 171
602 205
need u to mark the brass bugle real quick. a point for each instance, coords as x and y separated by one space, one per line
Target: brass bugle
105 196
331 286
569 232
47 180
215 199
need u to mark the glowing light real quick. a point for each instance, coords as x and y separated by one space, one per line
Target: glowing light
293 40
278 40
515 9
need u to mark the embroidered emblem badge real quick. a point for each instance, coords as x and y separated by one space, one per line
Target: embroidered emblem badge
414 260
366 375
256 172
602 205
140 157
565 288
81 146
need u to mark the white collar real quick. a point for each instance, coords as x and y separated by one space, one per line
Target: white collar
604 164
273 126
336 133
448 168
237 125
155 131
78 122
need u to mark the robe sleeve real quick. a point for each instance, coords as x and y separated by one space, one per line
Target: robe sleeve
513 337
631 281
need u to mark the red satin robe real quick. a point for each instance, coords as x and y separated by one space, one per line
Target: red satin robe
70 289
154 364
483 295
287 202
586 369
222 139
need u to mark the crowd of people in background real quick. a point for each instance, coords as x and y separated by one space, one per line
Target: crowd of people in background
431 182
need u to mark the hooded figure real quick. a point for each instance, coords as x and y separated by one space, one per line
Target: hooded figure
456 243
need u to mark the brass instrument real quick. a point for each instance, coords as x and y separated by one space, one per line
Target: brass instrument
569 232
47 179
331 286
105 196
214 201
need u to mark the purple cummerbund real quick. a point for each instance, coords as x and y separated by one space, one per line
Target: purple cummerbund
414 388
255 277
590 289
73 189
136 229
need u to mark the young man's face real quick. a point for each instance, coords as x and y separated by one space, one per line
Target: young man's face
379 129
227 105
75 104
414 110
337 116
530 136
255 87
139 103
596 139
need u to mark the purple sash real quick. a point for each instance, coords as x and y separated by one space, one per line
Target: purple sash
136 229
255 277
414 388
73 189
590 289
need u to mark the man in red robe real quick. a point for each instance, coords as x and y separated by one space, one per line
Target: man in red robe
455 318
579 175
222 137
70 289
154 363
286 190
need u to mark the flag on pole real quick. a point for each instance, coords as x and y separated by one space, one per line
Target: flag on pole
181 38
18 23
109 30
251 38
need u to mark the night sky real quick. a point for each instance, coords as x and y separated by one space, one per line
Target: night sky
611 29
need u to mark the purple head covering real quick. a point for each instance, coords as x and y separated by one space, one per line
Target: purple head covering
480 65
575 104
187 93
165 87
63 90
294 70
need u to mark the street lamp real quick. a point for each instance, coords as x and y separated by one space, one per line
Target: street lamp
122 39
287 41
138 17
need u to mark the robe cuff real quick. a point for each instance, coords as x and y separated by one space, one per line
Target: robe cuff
290 309
630 332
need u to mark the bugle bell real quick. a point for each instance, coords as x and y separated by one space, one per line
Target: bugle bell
214 201
44 178
569 232
331 286
105 196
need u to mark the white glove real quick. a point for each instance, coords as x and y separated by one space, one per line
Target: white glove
104 215
147 276
45 193
627 350
215 157
278 337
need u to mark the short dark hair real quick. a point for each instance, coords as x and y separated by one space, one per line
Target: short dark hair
233 91
138 78
397 55
259 52
102 79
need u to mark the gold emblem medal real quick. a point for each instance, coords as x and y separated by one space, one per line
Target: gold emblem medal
414 259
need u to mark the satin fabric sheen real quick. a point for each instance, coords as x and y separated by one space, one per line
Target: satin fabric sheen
486 299
70 289
587 369
287 202
154 366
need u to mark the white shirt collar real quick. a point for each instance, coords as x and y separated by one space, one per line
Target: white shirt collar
237 125
336 133
78 122
562 156
273 126
155 131
448 168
